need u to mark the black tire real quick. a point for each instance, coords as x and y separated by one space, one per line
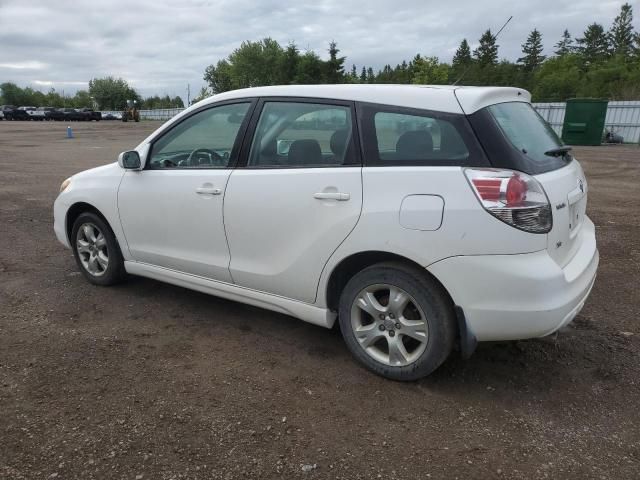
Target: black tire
114 272
430 297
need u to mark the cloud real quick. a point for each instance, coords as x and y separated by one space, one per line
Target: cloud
160 47
29 65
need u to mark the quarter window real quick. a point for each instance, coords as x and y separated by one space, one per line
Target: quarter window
204 140
403 136
291 134
412 138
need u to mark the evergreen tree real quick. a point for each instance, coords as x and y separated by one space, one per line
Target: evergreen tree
594 46
532 50
565 45
385 75
363 75
370 77
430 71
335 65
354 72
462 56
403 72
487 51
621 35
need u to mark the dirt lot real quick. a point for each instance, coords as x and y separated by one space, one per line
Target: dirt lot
151 381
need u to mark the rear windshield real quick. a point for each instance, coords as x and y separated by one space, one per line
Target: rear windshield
530 134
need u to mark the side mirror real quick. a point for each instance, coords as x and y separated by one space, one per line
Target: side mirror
130 160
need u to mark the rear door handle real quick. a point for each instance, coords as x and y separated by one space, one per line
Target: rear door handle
208 191
341 197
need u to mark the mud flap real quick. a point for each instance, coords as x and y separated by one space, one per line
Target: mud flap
468 341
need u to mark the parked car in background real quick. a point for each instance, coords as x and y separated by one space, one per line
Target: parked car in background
71 115
6 109
34 113
51 113
10 112
417 217
89 114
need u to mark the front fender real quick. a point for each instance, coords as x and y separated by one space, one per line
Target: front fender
98 188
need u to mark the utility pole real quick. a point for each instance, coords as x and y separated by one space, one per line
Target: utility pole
188 95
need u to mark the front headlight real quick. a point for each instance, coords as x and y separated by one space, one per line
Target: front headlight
65 185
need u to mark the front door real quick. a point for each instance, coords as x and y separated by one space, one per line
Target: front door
296 199
171 212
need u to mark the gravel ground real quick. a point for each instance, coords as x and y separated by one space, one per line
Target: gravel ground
146 380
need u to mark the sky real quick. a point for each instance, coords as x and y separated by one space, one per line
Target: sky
161 47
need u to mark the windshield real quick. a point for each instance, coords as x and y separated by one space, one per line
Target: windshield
528 132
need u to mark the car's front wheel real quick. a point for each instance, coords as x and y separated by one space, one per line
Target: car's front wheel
397 321
96 250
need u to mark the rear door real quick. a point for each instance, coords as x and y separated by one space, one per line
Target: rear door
567 192
297 197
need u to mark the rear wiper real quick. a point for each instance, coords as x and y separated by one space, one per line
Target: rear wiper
558 152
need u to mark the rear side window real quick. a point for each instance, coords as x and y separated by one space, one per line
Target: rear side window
301 134
397 136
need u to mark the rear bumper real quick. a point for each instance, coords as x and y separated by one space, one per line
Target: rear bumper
509 297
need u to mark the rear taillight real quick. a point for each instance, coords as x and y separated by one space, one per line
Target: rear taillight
514 197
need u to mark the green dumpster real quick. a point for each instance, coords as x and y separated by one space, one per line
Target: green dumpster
584 121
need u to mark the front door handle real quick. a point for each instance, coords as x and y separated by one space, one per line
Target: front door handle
208 191
341 197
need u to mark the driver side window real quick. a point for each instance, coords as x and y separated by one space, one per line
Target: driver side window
204 140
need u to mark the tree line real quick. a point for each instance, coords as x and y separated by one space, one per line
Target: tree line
103 94
599 63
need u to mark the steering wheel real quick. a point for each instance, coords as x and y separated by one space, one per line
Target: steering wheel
166 163
205 156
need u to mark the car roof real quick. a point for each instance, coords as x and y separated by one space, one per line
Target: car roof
441 98
444 98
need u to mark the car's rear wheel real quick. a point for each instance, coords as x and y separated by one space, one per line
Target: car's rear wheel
397 321
96 250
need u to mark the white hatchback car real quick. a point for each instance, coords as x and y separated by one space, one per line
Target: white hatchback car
417 216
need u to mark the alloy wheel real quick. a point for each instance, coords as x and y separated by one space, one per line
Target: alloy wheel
389 325
91 246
